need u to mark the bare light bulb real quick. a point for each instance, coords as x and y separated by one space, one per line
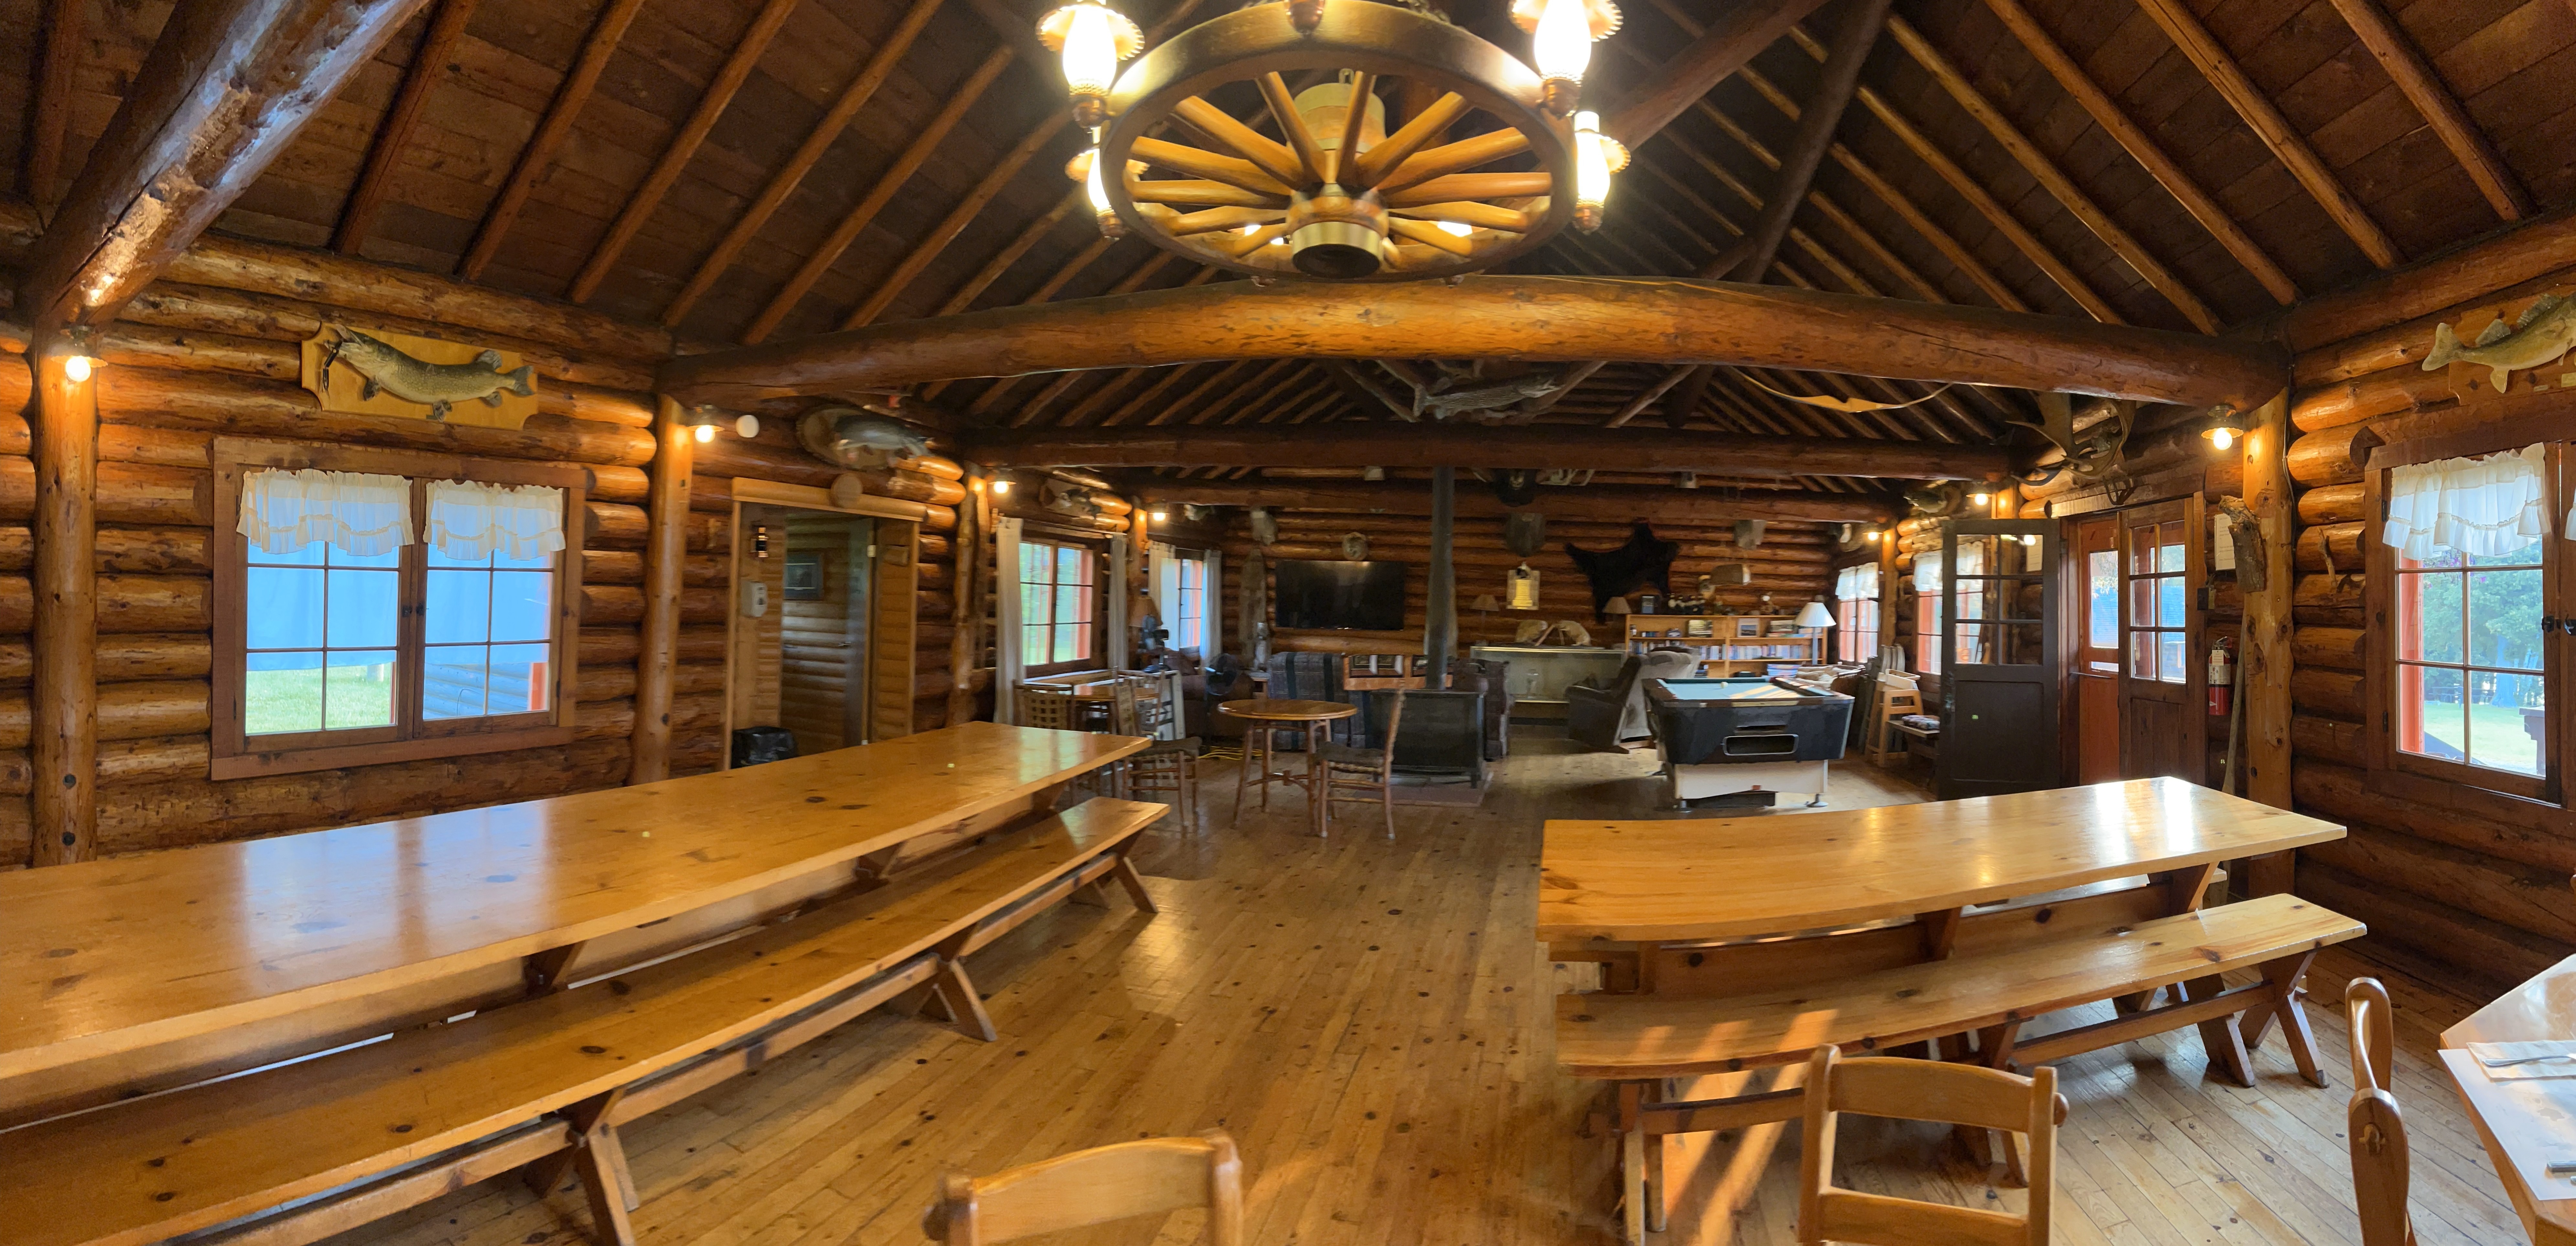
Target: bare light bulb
2222 437
77 368
1157 514
706 432
1873 534
1001 487
1981 497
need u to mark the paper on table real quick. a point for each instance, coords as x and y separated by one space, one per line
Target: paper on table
2536 1070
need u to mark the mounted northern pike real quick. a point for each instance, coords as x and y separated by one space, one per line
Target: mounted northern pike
2544 333
1440 403
436 385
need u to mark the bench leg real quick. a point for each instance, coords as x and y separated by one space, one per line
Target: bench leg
1640 1185
601 1164
1995 1051
2281 979
2218 1037
1090 893
1125 873
956 993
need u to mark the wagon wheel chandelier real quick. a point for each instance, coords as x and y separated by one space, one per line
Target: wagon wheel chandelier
1336 196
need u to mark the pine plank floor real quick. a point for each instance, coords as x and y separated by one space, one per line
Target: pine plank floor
1369 1020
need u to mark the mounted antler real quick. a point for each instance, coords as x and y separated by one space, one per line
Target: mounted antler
2094 455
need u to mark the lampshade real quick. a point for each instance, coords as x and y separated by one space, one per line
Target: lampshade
1814 614
1485 601
1618 605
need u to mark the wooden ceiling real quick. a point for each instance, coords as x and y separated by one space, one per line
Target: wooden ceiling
758 169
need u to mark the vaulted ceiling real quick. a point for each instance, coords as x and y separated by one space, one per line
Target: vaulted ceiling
759 169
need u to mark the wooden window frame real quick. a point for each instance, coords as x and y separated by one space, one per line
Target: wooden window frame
1181 594
411 737
1857 620
2414 775
1097 659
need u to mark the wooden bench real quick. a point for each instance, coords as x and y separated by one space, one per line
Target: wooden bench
295 1153
1739 1008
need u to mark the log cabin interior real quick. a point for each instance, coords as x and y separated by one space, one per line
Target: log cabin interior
1322 621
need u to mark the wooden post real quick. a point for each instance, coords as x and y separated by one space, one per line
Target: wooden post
966 633
2263 679
64 746
666 551
1886 591
1440 594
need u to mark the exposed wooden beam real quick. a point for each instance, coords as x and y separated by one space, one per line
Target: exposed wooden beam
2116 122
1724 46
935 243
1806 151
1547 402
888 184
570 97
50 113
2219 67
1373 394
666 172
1170 378
2043 168
1214 377
1389 443
1262 377
1646 398
1529 318
2414 76
965 295
809 153
1064 272
429 64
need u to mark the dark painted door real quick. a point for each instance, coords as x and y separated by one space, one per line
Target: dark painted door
1999 658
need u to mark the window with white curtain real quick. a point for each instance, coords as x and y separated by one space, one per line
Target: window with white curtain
1856 604
369 609
1927 612
1189 602
2471 576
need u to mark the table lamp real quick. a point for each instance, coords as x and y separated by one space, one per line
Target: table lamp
1814 617
1484 606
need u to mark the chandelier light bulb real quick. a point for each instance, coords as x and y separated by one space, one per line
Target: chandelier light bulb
1110 227
1596 157
1456 229
1561 37
1092 38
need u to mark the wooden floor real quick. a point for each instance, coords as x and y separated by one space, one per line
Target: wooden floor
1369 1020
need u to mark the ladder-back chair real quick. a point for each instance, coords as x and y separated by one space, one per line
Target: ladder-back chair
1152 1176
1924 1090
1364 772
1138 707
2374 1128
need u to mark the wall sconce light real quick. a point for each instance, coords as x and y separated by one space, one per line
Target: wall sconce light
1872 536
1157 514
80 362
1001 486
2223 429
1980 498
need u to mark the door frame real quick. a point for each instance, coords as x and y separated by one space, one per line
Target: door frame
894 619
2192 512
2046 674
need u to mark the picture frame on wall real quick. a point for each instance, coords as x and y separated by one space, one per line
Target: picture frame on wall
803 575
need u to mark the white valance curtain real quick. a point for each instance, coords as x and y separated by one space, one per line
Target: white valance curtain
1857 583
2478 506
470 521
1009 662
356 513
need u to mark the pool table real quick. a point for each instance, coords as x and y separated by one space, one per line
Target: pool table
1739 741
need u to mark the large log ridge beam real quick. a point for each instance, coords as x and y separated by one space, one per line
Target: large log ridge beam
1623 320
1386 443
1604 503
223 90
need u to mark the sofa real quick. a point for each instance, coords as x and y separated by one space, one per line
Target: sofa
1606 717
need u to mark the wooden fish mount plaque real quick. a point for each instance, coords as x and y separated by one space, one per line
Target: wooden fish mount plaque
2472 374
359 371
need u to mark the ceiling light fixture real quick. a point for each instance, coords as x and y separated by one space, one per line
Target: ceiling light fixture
1093 38
1561 36
2223 429
1596 157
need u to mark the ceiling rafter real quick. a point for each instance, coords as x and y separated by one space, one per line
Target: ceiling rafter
2219 68
1816 124
1716 50
49 116
1163 414
1225 402
539 154
1127 376
2406 66
965 295
393 137
2132 137
2044 169
1129 284
712 102
818 141
925 141
1064 272
1171 376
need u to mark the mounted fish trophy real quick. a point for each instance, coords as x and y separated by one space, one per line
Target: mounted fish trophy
1464 391
2540 334
422 378
859 439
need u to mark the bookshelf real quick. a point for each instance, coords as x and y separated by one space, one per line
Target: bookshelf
1721 644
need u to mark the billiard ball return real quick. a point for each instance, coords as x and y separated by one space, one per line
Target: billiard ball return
1744 741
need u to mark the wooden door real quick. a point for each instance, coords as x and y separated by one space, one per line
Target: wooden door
2161 677
1999 644
2094 575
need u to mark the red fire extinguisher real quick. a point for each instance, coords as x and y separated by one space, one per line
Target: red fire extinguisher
2222 676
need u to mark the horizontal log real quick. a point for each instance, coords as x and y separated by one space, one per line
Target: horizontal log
2331 547
147 760
2536 901
618 566
1395 444
2327 601
621 603
614 525
2343 793
158 550
2332 504
2537 248
2489 956
248 407
1529 318
2332 456
2331 648
2369 397
1606 503
142 711
2335 694
2314 739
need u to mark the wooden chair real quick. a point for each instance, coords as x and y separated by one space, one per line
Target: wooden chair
1893 702
1048 707
1138 707
1153 1176
1923 1090
1365 771
2376 1130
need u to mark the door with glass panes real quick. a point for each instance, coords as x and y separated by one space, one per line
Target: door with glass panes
1999 658
2162 660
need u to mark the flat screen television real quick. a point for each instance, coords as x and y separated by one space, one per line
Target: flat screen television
1350 596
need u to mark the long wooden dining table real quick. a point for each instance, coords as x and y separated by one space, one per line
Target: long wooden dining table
122 975
2527 1124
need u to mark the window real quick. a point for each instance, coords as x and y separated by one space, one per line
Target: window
2470 574
368 611
2102 609
2159 645
1856 612
1057 591
1927 612
1189 604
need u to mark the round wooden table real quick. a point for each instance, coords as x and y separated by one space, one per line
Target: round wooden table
1264 717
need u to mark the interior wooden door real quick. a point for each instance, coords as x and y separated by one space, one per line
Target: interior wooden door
1999 665
2094 675
2161 677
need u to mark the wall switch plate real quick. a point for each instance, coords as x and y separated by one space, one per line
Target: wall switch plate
755 598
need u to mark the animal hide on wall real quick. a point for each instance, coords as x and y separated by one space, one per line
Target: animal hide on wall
1643 562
